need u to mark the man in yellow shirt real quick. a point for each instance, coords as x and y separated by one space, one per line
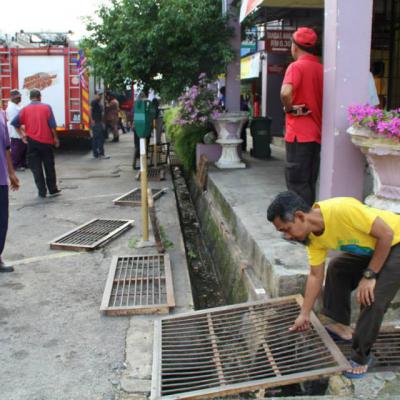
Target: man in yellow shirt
369 263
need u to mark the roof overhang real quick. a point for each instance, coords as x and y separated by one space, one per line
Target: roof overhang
249 6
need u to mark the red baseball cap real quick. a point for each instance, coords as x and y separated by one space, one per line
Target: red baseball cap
305 37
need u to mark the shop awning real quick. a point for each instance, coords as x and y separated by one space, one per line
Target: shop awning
248 6
250 66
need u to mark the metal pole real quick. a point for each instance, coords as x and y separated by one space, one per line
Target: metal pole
143 184
155 153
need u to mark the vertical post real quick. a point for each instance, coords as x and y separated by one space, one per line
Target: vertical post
143 186
264 83
232 87
155 152
347 47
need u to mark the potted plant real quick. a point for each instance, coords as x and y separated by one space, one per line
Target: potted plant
197 106
229 126
377 133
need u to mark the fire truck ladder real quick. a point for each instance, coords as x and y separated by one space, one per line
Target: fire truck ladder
5 75
74 89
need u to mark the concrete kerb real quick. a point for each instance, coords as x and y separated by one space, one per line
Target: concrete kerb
136 379
270 258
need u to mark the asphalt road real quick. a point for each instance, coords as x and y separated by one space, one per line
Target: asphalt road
54 343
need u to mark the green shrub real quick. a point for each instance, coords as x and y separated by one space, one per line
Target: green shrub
185 144
170 116
184 138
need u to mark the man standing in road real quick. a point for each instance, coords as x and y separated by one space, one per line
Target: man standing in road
18 147
301 96
368 240
40 135
6 171
112 116
96 114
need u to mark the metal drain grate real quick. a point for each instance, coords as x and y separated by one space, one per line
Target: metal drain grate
154 174
91 235
386 350
239 348
133 198
162 154
139 284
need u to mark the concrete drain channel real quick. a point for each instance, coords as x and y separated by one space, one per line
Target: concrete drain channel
207 290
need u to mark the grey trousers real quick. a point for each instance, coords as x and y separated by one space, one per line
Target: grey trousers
343 275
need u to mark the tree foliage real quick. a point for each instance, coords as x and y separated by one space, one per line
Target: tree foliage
145 40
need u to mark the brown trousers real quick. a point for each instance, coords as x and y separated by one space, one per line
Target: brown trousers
343 275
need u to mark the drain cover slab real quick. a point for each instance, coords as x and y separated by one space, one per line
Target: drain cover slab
91 235
134 197
140 284
240 348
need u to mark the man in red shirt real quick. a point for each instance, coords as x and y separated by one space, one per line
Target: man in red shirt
301 96
40 135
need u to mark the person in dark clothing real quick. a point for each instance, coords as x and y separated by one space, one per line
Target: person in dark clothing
7 174
40 135
244 106
96 115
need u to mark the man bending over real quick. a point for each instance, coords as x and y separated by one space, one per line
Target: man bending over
369 262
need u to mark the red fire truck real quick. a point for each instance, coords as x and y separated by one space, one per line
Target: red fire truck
54 71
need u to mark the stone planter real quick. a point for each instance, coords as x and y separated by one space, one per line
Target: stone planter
383 156
229 126
211 151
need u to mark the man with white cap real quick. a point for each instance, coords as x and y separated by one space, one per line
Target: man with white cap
301 96
18 146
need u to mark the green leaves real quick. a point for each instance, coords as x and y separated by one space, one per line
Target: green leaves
141 39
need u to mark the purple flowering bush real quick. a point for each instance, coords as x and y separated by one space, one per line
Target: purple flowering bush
198 105
381 122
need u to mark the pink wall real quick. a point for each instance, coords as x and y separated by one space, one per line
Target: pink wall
347 44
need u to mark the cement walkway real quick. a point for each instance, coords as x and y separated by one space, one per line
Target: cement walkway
55 344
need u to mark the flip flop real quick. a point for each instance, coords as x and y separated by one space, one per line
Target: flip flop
336 338
352 375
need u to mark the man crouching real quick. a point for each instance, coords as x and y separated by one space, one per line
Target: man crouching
368 239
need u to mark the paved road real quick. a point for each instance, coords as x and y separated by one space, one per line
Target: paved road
54 343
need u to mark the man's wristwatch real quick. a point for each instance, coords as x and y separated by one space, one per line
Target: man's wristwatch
369 274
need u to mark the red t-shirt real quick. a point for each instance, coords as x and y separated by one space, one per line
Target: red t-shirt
38 120
306 77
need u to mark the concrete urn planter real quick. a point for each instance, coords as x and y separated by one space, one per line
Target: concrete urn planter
383 156
228 127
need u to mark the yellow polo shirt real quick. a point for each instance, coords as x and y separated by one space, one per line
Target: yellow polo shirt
348 224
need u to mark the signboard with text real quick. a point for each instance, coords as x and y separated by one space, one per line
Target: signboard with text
276 69
278 41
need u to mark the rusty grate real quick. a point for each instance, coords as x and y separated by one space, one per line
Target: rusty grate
91 235
385 351
154 174
134 197
139 284
162 154
234 349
